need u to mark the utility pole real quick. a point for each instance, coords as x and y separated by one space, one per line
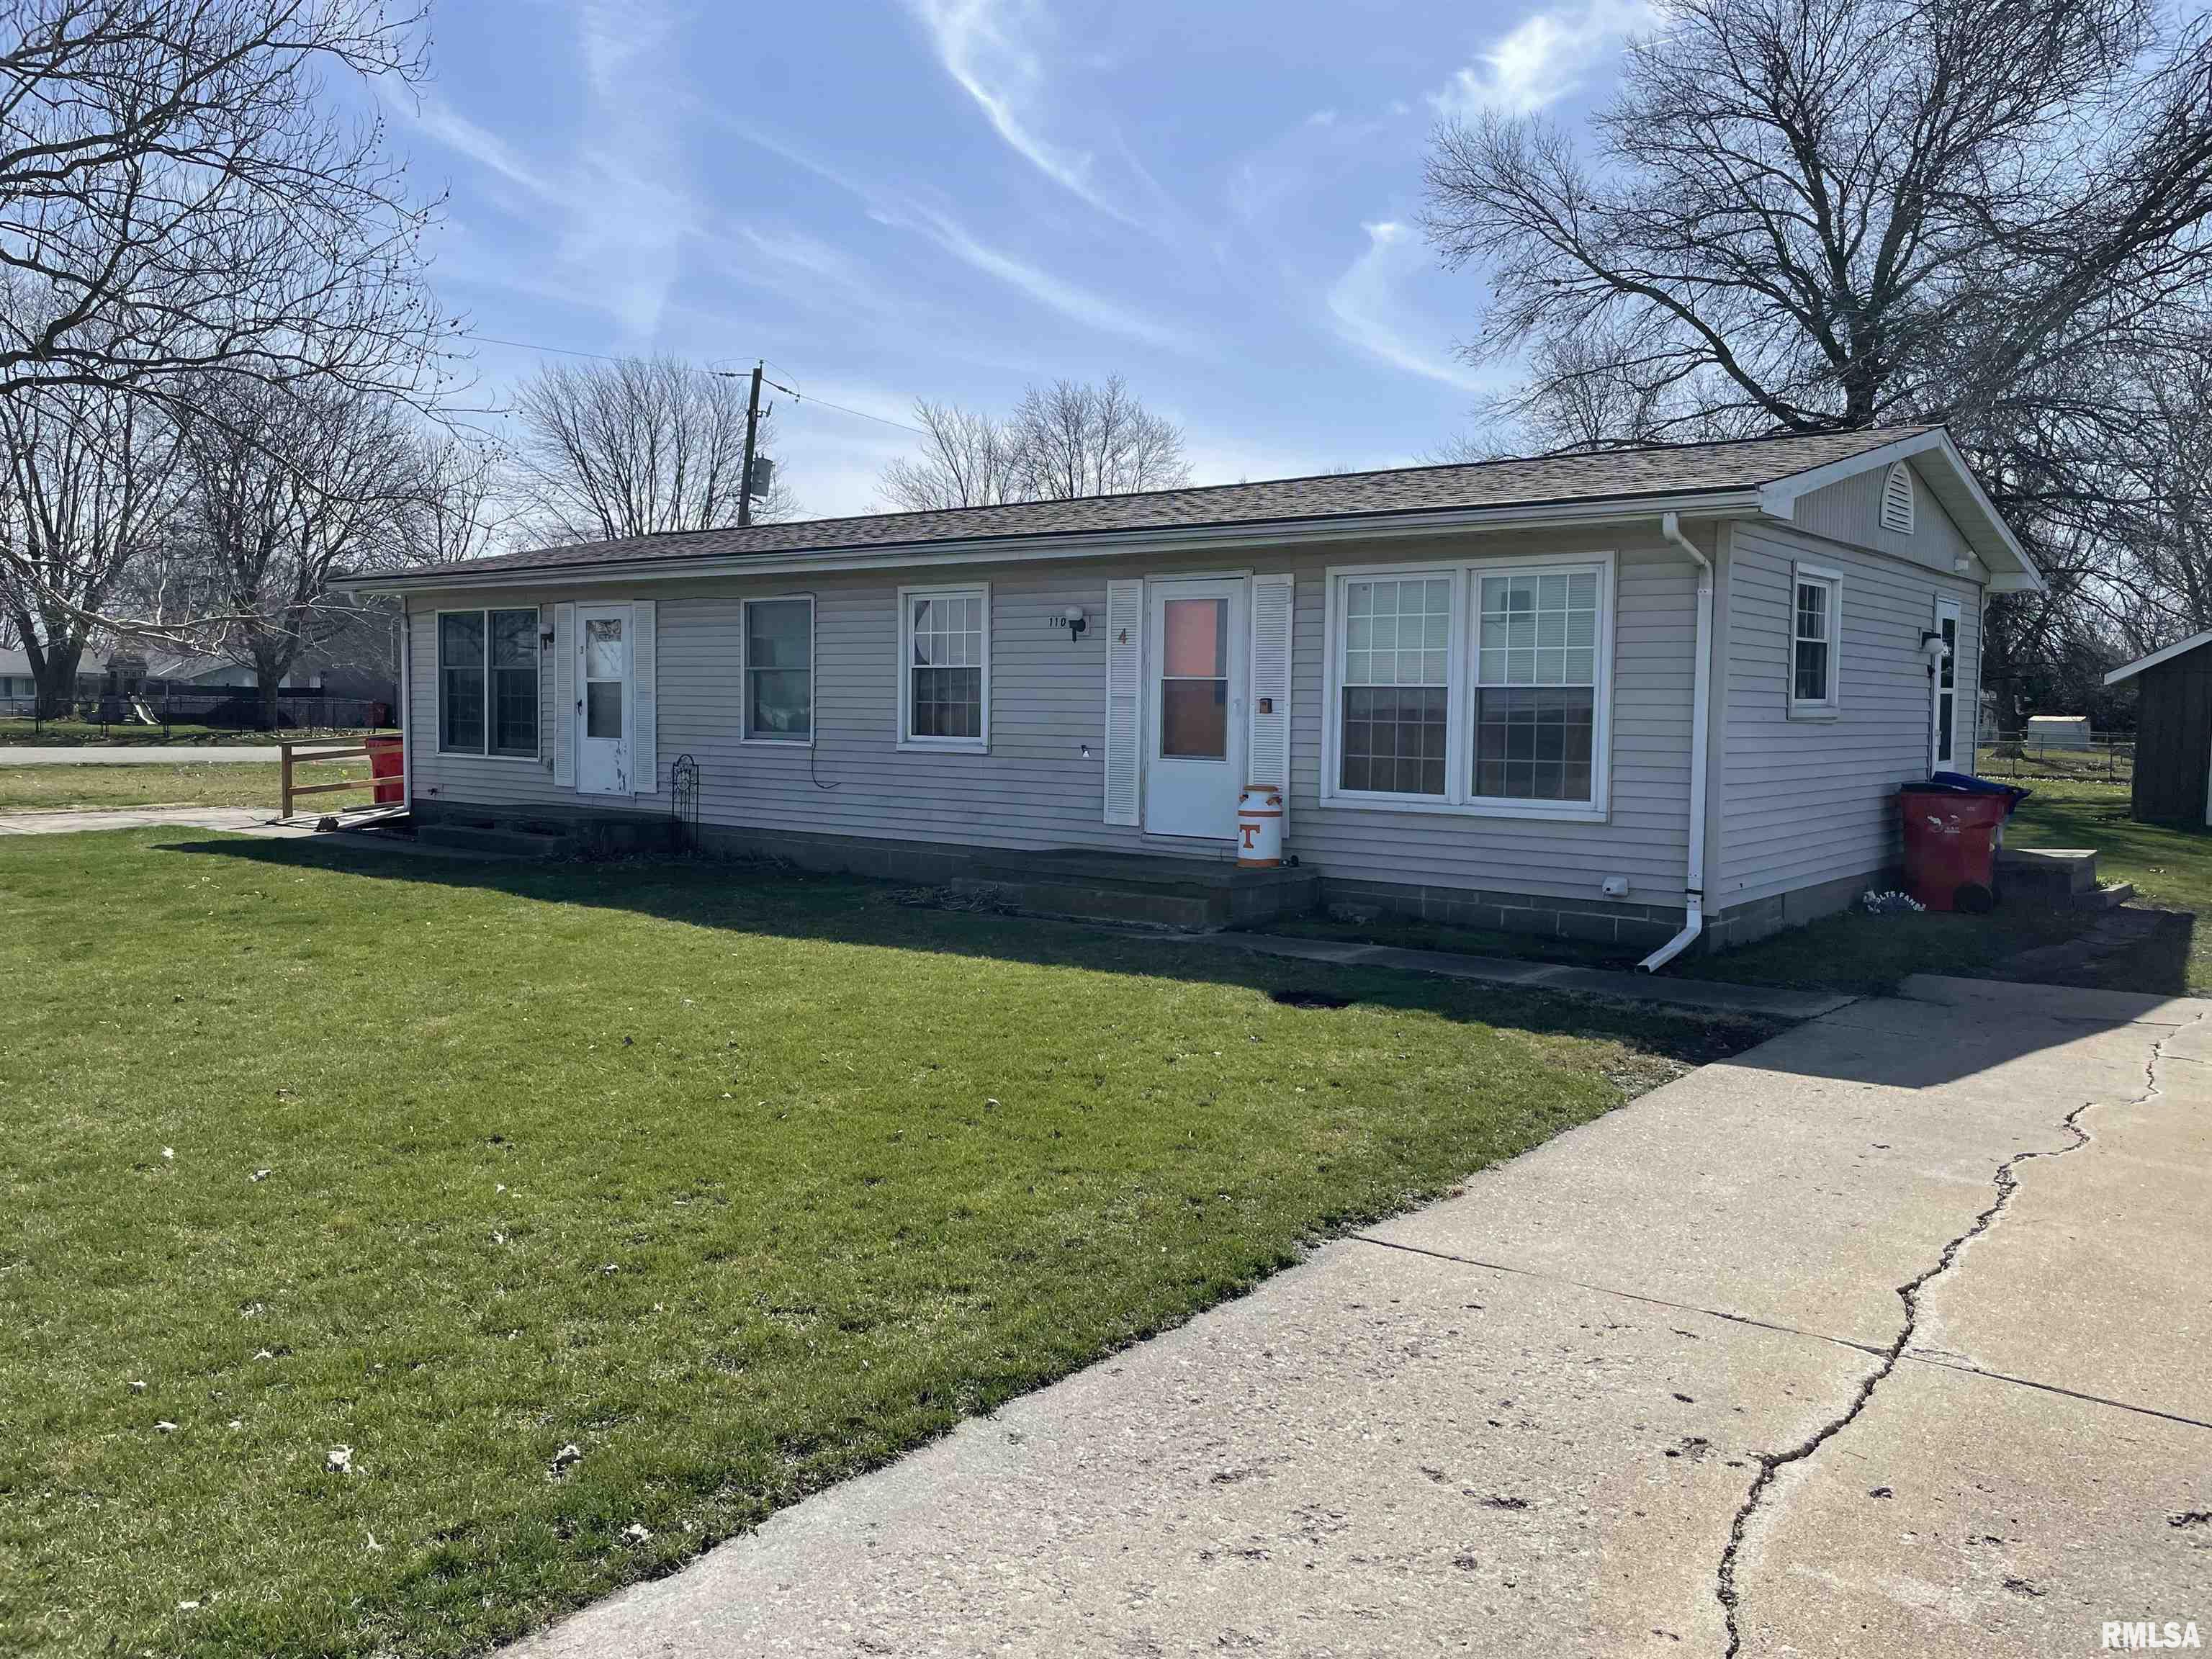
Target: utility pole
752 429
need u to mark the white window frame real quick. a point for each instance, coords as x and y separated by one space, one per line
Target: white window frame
1830 707
745 733
906 595
438 680
1459 798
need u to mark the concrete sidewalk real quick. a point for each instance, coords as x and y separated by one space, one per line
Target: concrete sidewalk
239 820
152 754
1887 1337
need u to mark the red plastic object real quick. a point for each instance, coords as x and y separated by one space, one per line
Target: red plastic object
386 759
1950 843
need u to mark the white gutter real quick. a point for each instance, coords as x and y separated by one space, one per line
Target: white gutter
1693 882
1062 544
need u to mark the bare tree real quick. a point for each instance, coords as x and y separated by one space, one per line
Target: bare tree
634 447
1062 441
966 460
1804 214
1808 214
90 491
1073 439
289 486
462 511
178 199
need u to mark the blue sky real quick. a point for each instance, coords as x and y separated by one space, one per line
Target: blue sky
950 199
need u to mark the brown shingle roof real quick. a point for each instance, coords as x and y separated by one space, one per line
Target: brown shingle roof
1685 469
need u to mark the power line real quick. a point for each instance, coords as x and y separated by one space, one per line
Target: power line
728 374
532 345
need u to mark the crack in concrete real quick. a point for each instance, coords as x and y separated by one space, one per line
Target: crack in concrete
1963 1366
1772 1463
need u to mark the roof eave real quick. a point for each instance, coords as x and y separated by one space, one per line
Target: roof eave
1084 545
1986 532
2179 647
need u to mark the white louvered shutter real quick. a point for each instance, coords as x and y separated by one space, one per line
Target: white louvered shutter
1124 683
645 720
1267 754
564 696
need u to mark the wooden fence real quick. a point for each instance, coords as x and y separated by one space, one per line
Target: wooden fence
294 755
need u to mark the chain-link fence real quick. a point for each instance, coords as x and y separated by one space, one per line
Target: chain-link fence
188 717
2101 757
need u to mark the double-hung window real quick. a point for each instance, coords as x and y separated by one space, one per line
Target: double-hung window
488 683
944 667
1816 617
779 671
1477 688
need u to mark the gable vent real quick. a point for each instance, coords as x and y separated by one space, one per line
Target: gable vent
1897 499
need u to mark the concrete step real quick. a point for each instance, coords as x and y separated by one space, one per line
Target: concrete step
2047 875
2109 897
507 842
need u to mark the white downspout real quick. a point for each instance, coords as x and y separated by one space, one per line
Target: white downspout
1693 882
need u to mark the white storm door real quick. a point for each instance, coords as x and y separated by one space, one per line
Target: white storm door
1195 635
1943 724
603 700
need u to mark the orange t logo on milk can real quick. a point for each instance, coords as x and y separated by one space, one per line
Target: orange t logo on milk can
1260 827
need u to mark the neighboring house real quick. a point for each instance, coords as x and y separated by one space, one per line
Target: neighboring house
356 658
201 673
2173 731
97 675
1610 695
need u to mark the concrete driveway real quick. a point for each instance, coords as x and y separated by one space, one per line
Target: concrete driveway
1893 1336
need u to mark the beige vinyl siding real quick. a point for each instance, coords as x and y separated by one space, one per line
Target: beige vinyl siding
1034 789
1809 800
1850 510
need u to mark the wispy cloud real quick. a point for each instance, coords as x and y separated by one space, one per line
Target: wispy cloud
634 210
1369 314
1072 300
991 49
1543 58
440 120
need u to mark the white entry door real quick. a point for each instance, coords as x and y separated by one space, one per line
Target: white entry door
603 713
1195 754
1944 716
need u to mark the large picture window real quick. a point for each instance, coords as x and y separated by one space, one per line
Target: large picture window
945 673
1536 680
1477 688
779 664
1395 692
488 683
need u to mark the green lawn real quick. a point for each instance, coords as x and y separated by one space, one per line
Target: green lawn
189 783
740 1182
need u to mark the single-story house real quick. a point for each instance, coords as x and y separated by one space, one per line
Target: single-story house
2173 731
1641 695
97 674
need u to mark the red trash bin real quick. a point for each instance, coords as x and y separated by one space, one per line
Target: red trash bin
386 759
1951 846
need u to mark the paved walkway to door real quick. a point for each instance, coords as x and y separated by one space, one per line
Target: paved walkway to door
1888 1336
